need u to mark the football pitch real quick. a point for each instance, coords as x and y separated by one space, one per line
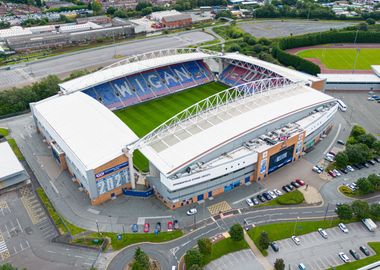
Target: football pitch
143 118
344 58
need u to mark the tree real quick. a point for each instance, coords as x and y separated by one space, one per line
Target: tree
146 11
141 5
357 131
357 153
370 21
111 10
374 180
375 210
363 26
257 48
141 260
376 147
264 240
364 185
279 264
195 267
344 212
360 209
236 232
367 139
223 14
192 257
341 160
205 246
264 41
97 7
234 47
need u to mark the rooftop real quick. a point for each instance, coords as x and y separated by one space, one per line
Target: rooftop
350 78
10 165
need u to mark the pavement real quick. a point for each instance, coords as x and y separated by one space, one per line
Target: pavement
242 260
282 28
63 65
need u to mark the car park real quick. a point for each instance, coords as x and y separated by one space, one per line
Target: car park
354 185
377 159
295 184
255 201
331 173
337 173
267 196
360 166
249 202
340 142
354 254
323 233
158 226
345 171
365 164
296 240
350 186
332 153
301 266
329 158
271 193
170 226
316 169
343 227
275 246
135 228
290 187
364 250
300 182
176 225
261 198
319 167
372 162
277 192
191 212
286 189
146 227
344 257
350 168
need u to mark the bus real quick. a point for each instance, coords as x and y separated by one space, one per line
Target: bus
342 106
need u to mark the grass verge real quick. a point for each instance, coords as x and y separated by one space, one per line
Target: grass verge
290 198
288 229
223 247
363 262
59 222
133 238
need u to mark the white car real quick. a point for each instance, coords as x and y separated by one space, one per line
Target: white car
343 227
191 212
350 168
296 240
370 98
316 169
249 202
323 233
344 257
329 158
271 193
278 192
337 172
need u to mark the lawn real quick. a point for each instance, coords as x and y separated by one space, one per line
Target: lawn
290 198
278 231
145 117
224 247
132 238
363 262
343 58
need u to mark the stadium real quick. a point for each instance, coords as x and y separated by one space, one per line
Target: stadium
184 124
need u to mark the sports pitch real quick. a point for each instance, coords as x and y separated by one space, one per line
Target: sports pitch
344 58
145 117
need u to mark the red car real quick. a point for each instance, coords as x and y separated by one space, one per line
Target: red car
146 227
170 226
332 174
300 182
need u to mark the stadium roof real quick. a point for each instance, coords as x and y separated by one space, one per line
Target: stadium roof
179 148
118 71
350 78
10 165
85 129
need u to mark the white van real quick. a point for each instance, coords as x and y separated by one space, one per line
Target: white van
301 266
342 106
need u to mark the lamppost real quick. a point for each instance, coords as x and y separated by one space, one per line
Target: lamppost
97 226
295 225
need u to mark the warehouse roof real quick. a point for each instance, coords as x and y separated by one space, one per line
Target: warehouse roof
9 164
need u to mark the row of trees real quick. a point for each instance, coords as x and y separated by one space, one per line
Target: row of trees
359 209
194 257
361 146
369 184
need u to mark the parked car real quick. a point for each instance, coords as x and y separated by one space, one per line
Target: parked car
340 142
364 250
343 227
176 225
354 254
332 153
255 201
261 198
350 168
377 159
158 226
350 186
170 226
290 187
316 169
275 246
300 182
271 193
345 171
329 158
365 164
135 228
286 189
295 184
372 162
296 240
146 227
354 185
249 202
319 167
344 257
360 166
337 173
301 266
267 196
191 212
323 233
332 173
277 192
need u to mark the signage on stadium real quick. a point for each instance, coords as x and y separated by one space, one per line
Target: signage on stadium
111 170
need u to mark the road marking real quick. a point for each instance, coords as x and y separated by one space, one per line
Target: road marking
333 141
184 244
51 251
54 187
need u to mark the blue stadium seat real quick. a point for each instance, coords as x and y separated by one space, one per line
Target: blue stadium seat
140 87
171 80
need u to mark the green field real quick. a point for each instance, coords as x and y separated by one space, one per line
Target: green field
145 117
343 58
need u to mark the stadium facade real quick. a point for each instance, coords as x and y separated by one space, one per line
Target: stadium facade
268 118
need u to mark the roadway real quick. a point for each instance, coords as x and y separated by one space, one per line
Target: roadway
63 65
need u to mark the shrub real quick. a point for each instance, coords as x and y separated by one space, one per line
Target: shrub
344 212
360 209
236 232
345 190
341 160
205 246
193 257
295 197
264 240
365 186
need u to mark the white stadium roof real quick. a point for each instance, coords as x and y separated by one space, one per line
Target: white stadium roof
85 129
178 148
9 164
350 78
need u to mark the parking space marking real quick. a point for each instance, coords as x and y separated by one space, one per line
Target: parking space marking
4 252
4 208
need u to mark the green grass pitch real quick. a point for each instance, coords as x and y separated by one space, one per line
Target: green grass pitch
145 117
344 58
